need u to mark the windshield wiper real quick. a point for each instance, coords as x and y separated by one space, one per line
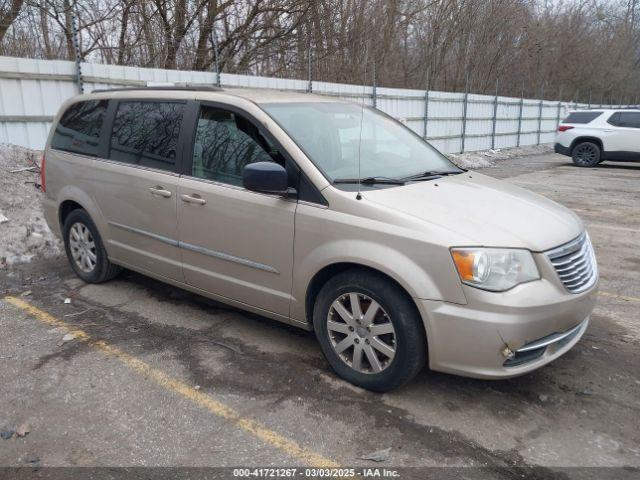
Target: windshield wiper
372 180
429 175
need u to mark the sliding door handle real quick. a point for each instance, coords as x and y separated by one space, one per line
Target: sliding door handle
160 191
195 199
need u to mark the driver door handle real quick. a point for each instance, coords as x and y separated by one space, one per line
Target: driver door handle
195 198
158 190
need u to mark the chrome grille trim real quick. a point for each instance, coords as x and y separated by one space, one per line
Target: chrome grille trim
575 264
553 338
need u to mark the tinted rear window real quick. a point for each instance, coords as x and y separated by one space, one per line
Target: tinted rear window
146 134
78 130
581 117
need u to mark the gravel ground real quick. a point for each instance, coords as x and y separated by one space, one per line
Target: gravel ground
23 232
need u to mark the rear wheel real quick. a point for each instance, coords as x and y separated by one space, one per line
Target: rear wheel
369 330
85 249
586 154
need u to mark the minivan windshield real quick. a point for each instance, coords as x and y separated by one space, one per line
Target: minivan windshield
329 133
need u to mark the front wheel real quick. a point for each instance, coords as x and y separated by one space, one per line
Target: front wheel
586 154
369 330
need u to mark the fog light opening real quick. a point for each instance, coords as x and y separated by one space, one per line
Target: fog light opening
507 353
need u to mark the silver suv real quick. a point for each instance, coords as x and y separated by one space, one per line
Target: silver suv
324 215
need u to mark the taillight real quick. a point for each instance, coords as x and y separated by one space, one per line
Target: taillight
564 128
43 182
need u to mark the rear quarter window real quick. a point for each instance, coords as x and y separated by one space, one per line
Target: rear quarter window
78 130
581 117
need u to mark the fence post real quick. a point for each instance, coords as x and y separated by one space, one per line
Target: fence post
520 114
589 106
559 108
216 61
310 84
602 101
426 105
575 100
495 117
76 47
464 111
540 112
374 93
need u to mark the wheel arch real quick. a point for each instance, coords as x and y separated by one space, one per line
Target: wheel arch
65 208
72 198
329 271
586 138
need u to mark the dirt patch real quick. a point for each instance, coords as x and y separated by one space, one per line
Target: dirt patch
24 233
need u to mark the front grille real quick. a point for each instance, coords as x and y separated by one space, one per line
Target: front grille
575 264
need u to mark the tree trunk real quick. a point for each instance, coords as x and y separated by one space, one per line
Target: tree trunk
203 34
68 30
122 41
176 34
7 18
44 26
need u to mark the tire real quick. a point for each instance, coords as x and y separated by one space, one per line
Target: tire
586 154
85 249
400 346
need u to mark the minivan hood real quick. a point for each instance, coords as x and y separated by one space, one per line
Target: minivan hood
484 211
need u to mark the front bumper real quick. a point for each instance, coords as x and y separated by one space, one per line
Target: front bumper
538 322
562 150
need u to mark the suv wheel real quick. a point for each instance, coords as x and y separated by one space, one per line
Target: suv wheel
85 250
369 330
586 154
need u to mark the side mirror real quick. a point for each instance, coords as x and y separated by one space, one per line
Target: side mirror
265 177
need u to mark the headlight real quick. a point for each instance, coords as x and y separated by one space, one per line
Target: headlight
494 269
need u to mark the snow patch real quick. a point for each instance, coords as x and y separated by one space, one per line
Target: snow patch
24 234
488 158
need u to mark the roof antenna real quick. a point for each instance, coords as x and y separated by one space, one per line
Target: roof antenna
364 95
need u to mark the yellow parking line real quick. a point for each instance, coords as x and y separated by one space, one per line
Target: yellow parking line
619 297
203 400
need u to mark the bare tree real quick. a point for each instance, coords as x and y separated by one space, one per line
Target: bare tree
9 11
578 46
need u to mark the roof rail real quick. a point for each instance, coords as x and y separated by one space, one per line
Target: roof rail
186 86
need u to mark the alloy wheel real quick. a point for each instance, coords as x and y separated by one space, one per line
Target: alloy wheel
361 333
83 247
585 155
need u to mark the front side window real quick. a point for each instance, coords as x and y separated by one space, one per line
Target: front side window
629 119
614 119
146 134
346 141
78 130
224 143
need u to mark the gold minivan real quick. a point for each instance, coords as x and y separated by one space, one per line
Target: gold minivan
322 214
